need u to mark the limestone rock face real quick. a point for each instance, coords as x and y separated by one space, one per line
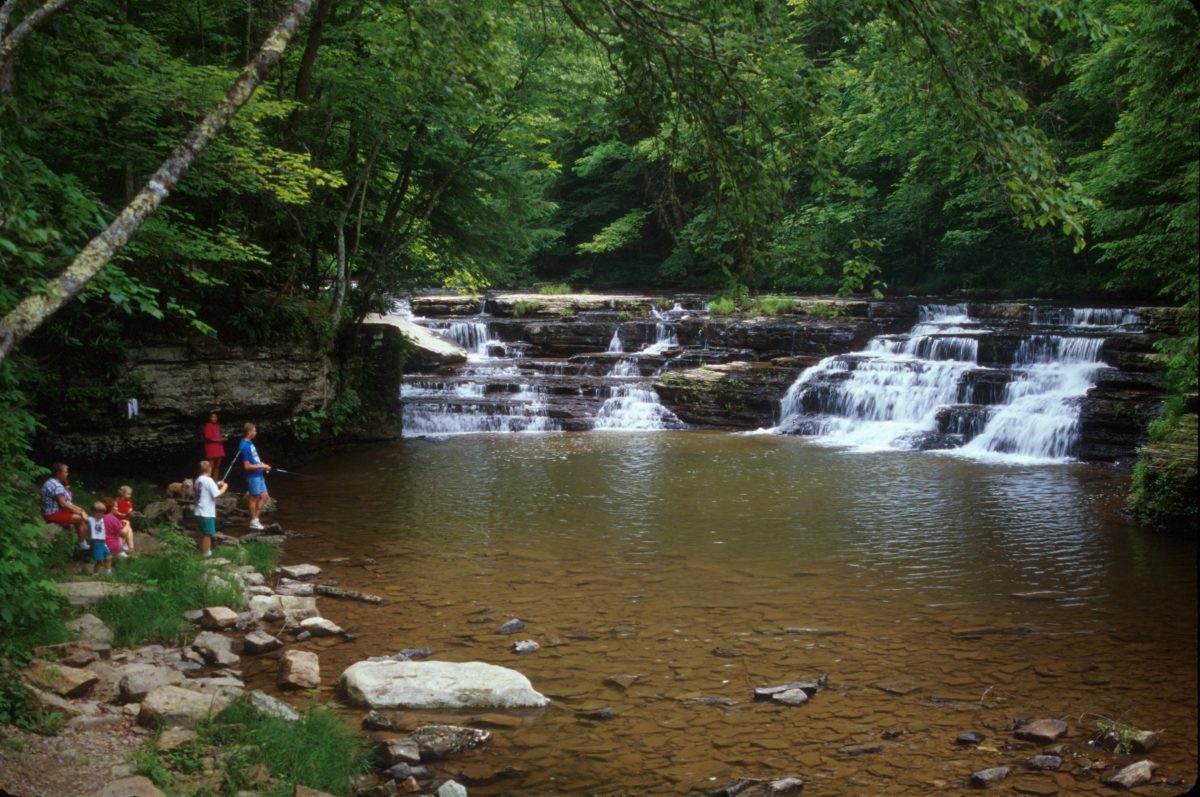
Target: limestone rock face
437 684
429 345
179 707
181 381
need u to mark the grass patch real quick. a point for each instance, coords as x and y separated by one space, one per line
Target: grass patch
262 556
173 581
722 305
555 290
320 751
773 305
522 309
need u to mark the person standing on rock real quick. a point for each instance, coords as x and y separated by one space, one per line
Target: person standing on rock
214 443
207 493
256 478
57 506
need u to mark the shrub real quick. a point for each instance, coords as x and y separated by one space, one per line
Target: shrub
555 290
722 305
773 305
521 309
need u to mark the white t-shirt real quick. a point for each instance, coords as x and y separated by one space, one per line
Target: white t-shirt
206 497
96 525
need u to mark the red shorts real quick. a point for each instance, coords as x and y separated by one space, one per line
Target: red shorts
62 517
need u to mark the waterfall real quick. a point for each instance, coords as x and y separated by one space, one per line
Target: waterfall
636 407
907 391
615 345
665 336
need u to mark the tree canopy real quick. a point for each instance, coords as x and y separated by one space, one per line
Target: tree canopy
1023 148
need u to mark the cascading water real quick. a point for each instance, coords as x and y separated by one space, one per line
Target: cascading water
636 407
927 389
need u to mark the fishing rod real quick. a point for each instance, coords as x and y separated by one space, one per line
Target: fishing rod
225 478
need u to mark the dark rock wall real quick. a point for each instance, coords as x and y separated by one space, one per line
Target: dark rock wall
178 385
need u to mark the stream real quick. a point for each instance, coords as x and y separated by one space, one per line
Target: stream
940 594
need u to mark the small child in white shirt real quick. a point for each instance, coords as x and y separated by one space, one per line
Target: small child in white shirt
207 493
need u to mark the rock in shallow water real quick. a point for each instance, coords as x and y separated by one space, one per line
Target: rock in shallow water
1041 731
437 684
511 627
440 741
989 777
1134 775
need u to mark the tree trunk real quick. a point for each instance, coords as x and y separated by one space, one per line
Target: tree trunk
309 59
10 42
34 310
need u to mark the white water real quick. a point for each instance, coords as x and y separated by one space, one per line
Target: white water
890 395
637 408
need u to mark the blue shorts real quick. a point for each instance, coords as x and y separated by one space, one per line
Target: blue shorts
256 483
99 551
208 525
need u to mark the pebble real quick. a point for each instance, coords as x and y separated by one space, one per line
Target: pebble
1045 762
526 646
969 738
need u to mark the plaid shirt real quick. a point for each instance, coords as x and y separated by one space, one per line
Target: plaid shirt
50 492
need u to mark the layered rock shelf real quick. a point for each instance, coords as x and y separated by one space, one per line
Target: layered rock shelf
578 362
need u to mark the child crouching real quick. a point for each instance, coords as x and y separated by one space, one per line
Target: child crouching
207 493
98 534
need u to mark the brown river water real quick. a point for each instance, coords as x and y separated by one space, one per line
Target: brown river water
695 566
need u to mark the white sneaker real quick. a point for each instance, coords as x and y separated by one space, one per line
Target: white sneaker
256 524
123 555
83 546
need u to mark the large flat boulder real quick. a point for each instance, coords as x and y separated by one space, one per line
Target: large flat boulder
174 706
427 343
437 684
89 593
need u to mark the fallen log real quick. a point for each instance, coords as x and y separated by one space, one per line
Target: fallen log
348 594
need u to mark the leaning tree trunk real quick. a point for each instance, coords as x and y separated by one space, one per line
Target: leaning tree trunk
33 311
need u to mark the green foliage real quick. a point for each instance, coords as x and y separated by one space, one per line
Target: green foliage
555 290
772 305
722 305
171 582
523 308
320 751
29 604
19 706
262 556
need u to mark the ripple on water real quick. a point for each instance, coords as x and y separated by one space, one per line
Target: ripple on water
885 567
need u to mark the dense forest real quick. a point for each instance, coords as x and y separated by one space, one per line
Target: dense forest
1024 148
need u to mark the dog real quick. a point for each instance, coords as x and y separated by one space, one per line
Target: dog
184 490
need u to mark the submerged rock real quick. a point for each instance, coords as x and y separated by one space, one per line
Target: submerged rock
969 738
1045 763
526 646
1044 731
1134 775
440 741
989 777
437 684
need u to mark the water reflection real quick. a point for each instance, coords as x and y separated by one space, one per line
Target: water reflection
644 554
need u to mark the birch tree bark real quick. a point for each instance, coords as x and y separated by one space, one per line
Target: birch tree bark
9 42
35 309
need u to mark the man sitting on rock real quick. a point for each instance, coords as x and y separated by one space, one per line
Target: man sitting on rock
57 506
